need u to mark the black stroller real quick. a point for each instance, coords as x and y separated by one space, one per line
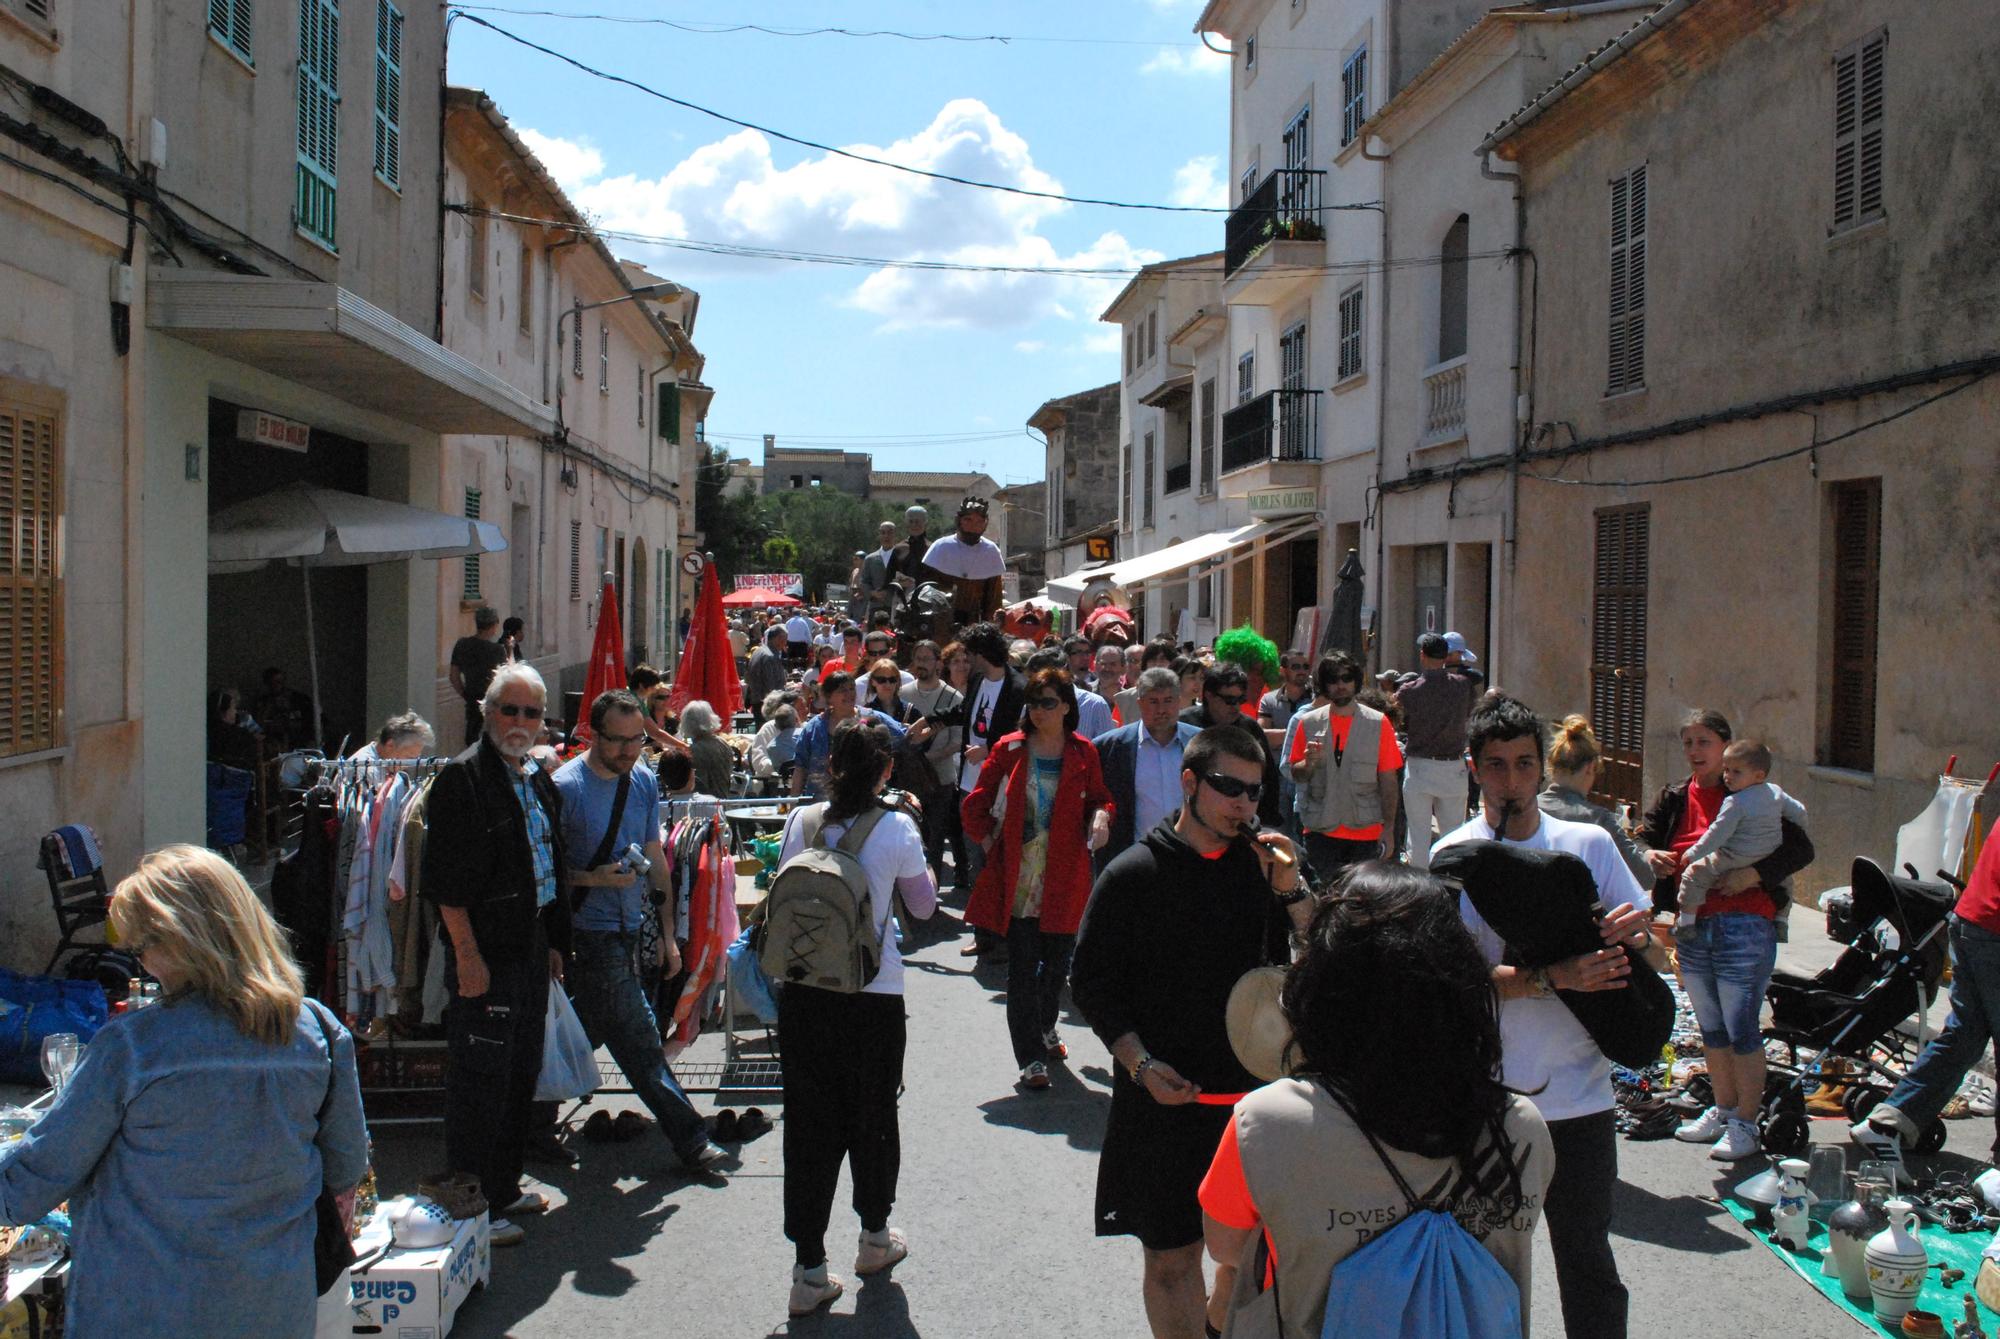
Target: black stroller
1890 970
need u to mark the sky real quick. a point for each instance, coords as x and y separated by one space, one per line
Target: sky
1114 99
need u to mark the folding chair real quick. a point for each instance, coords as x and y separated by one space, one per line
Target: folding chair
81 897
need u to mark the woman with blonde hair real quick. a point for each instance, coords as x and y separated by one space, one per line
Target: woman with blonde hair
1574 758
194 1138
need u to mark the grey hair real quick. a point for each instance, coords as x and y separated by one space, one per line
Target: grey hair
1159 679
404 728
777 697
699 721
509 674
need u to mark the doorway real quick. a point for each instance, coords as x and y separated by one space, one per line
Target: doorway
521 573
640 626
1427 570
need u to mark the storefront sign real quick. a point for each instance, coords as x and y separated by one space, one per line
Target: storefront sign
1283 501
787 582
254 425
1097 549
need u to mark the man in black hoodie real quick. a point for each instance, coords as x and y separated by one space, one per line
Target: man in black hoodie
1172 924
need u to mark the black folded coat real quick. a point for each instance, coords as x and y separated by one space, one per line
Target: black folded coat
1544 907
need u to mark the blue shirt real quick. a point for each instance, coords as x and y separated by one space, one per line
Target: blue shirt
1156 781
191 1155
1093 715
541 844
815 746
586 810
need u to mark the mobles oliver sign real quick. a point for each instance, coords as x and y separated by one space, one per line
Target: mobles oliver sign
1267 502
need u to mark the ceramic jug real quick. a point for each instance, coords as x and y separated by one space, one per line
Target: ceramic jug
1790 1221
1852 1224
1896 1263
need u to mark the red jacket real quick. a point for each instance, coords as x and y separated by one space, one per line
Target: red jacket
1066 883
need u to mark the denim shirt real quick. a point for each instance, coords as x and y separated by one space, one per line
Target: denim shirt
191 1156
540 843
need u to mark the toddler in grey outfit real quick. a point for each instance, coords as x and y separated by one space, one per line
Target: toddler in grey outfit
1748 827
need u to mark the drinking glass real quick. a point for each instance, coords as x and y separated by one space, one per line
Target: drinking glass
59 1055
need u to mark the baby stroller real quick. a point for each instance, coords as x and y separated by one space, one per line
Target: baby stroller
1895 959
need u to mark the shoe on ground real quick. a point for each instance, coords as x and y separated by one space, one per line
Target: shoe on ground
1036 1075
704 1156
1739 1140
1881 1142
1703 1129
972 950
812 1289
880 1250
531 1201
598 1128
548 1147
1979 1100
724 1126
1057 1048
500 1232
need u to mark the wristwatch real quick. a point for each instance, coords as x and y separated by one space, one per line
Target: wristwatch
1293 898
1140 1067
1539 981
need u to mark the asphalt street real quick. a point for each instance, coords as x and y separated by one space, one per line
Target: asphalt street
996 1197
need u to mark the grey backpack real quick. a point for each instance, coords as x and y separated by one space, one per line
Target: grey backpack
819 917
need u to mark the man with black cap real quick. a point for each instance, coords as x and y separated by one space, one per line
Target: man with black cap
1435 707
972 564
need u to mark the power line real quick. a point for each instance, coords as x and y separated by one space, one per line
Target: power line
815 145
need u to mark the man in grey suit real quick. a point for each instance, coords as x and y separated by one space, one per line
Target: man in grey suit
1142 762
876 569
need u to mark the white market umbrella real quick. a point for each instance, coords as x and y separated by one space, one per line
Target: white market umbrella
307 527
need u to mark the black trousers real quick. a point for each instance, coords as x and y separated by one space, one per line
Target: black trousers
1328 856
494 1045
944 828
1037 969
475 723
1577 1212
843 1069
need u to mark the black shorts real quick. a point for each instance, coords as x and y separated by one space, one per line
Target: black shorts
1149 1174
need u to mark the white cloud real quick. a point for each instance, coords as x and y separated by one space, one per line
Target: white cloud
1030 345
1198 182
570 162
1196 60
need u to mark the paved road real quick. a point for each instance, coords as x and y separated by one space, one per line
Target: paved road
995 1196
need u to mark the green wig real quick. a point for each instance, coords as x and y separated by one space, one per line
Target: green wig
1245 646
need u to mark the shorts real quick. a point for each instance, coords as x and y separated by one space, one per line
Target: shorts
1726 961
1149 1173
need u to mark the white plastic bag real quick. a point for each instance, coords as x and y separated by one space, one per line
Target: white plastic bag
569 1065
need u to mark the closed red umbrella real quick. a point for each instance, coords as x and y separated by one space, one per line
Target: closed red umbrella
606 670
708 663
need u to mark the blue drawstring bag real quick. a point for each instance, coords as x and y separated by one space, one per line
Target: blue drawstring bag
34 1007
749 988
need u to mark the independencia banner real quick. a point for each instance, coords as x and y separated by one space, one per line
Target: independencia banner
786 582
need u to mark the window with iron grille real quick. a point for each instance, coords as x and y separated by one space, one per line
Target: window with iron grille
388 93
475 248
1205 440
1146 484
229 24
471 591
1857 580
31 690
1860 75
1626 355
314 201
576 560
524 309
1353 94
1350 334
603 358
1619 577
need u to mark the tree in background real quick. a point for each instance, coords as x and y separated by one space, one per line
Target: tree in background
780 554
827 526
732 524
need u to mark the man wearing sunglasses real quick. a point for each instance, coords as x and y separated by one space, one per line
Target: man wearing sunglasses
1343 758
1224 689
1172 924
495 865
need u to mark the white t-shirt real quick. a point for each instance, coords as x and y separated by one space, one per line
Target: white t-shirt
1540 1040
984 699
971 562
894 850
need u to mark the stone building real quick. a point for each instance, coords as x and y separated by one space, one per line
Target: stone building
1080 433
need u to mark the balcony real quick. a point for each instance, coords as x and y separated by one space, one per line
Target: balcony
1179 478
1444 403
1273 239
1278 426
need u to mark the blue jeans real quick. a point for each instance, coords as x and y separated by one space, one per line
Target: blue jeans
1726 963
611 1003
1974 1022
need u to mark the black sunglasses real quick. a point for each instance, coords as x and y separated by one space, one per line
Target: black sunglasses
1229 788
510 710
892 678
1038 703
1231 699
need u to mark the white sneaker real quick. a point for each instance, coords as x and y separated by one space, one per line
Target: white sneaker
1882 1145
1059 1050
1739 1140
500 1232
812 1289
1703 1129
878 1252
1979 1097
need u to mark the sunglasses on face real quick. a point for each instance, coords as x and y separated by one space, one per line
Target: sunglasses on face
1229 788
509 710
1044 703
1230 699
892 679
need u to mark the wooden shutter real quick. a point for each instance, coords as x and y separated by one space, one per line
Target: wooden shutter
1618 649
1207 409
388 92
1350 334
472 588
1857 578
1353 95
31 701
1860 75
576 560
314 206
229 20
668 420
1626 361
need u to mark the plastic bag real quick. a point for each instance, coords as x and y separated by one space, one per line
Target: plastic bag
749 988
569 1062
34 1007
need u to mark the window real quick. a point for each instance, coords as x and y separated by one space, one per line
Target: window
1353 94
388 92
576 560
603 358
1857 577
576 342
1453 275
639 384
1152 335
228 23
1618 648
471 591
1246 376
524 308
1298 140
1350 334
1250 54
1205 439
1131 344
31 690
475 248
1146 484
603 557
1125 494
314 200
43 13
1626 363
1246 185
1859 79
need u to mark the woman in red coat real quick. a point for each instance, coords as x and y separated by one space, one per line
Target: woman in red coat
1039 809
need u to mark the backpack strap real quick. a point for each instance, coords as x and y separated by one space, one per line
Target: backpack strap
856 836
812 819
1410 1199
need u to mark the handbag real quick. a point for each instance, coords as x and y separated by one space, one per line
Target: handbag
333 1251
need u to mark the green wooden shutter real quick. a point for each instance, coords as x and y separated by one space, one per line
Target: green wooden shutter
313 209
229 20
668 421
388 92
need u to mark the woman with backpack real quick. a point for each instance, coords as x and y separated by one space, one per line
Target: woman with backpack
843 1049
1393 1107
1039 808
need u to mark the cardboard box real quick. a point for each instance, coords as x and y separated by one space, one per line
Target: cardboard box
417 1294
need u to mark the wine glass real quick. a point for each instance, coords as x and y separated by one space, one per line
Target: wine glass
59 1056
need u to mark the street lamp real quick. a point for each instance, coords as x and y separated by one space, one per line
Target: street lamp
659 292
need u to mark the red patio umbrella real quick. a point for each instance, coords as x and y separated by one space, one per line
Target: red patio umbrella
738 599
606 670
708 664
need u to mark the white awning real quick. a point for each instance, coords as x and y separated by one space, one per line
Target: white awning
1229 546
330 339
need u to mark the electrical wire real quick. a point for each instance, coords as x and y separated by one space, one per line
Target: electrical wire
815 145
98 200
